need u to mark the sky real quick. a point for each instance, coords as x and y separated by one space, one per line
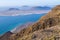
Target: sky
4 3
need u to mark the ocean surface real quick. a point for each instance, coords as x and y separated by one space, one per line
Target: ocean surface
8 23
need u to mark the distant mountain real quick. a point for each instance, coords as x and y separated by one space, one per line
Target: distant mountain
41 8
11 9
25 10
22 12
35 8
31 8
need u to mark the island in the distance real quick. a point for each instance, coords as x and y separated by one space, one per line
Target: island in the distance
25 11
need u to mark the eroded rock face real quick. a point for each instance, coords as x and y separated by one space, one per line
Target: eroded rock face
44 29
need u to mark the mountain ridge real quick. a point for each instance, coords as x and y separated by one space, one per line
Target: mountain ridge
47 28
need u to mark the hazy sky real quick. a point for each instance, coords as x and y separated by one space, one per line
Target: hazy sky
28 2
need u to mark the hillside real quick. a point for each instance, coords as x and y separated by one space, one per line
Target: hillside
47 28
6 36
19 28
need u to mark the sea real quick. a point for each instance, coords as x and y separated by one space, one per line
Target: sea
8 23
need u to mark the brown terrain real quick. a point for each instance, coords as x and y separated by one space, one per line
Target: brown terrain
20 27
47 28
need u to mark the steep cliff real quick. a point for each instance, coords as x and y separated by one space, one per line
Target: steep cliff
47 28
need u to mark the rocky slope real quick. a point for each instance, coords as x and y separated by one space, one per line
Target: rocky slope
19 28
47 28
6 36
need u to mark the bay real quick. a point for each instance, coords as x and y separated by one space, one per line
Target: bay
8 23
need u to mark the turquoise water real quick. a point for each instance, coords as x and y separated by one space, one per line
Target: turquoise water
9 22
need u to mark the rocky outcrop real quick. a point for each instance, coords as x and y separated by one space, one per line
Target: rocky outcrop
6 36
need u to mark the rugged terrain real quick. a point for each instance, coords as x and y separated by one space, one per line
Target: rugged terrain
20 27
47 28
